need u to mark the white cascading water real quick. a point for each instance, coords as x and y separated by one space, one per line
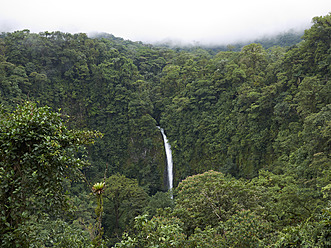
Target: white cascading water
167 148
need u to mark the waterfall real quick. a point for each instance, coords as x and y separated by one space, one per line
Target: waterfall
167 148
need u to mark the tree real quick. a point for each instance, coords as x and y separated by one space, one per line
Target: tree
242 229
58 233
10 82
285 200
316 47
208 238
315 232
37 152
309 92
209 198
159 201
160 232
254 57
245 229
124 200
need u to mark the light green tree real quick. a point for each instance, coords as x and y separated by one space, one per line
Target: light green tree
210 198
160 232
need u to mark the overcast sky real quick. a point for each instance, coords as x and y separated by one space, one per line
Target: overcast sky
204 21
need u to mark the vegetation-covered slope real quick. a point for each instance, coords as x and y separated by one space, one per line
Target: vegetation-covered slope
256 114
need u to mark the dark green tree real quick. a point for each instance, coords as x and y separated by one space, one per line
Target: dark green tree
37 152
124 200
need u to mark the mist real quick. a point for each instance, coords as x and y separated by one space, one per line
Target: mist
187 22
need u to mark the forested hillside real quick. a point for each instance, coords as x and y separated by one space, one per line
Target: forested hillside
250 132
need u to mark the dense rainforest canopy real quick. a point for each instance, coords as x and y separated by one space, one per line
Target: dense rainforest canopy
250 131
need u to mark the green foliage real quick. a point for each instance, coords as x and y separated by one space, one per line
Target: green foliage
10 90
157 232
314 232
242 229
245 229
159 201
58 233
124 200
235 112
316 47
284 201
209 237
209 198
37 152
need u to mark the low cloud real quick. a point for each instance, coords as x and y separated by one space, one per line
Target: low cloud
205 22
